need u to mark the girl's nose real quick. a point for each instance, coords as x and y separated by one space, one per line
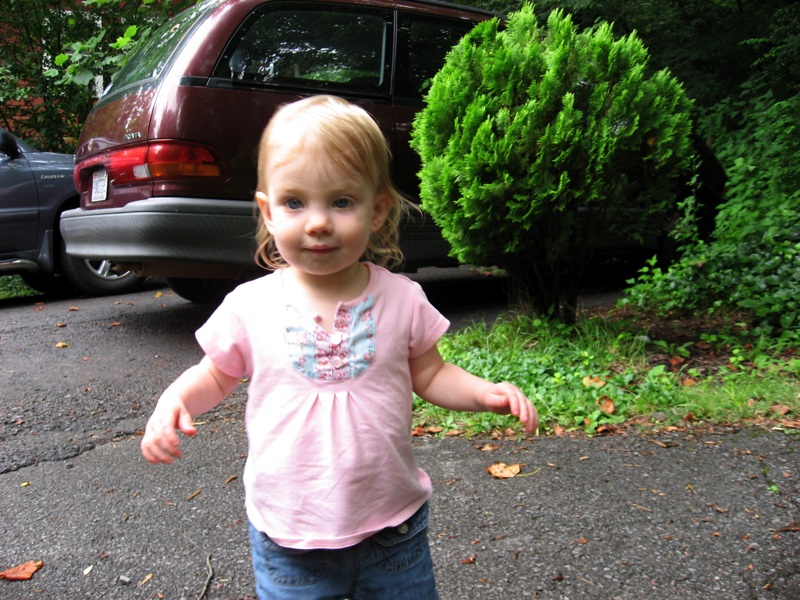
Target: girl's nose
318 221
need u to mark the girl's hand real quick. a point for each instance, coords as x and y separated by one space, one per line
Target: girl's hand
160 443
506 398
199 389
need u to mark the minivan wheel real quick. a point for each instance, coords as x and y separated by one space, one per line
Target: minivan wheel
202 291
97 277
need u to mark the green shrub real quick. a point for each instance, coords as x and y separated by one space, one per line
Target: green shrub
534 142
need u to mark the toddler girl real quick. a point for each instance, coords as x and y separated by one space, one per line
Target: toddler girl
333 345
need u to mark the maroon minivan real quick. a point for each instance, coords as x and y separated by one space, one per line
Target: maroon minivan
166 161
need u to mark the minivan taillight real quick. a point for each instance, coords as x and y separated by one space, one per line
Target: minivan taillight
161 160
156 161
167 160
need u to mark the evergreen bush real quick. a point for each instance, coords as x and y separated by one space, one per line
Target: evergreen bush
535 142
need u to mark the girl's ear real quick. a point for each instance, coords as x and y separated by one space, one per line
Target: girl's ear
383 205
263 207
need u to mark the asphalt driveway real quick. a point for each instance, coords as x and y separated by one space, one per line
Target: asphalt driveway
690 514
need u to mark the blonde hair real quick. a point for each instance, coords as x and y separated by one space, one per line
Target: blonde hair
347 135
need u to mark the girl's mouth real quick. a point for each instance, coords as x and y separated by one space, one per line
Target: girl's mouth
321 250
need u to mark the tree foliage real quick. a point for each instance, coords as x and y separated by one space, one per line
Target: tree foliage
59 54
753 262
534 141
711 47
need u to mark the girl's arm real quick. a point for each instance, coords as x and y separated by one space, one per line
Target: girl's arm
197 390
451 387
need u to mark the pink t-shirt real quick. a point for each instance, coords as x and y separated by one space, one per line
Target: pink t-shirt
328 415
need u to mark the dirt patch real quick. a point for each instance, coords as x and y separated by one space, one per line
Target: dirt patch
703 344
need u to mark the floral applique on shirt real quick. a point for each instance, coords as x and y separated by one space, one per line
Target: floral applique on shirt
342 354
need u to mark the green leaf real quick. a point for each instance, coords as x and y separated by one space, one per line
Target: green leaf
84 78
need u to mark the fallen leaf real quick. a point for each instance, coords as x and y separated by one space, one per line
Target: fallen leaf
500 470
147 578
64 325
780 410
470 560
689 382
595 382
88 570
74 309
114 324
606 405
62 345
159 294
22 572
489 447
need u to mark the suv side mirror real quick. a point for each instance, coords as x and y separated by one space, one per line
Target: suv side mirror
8 145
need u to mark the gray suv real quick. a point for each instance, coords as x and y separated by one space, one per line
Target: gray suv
35 189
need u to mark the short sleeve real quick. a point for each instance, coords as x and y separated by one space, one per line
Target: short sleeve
428 325
225 341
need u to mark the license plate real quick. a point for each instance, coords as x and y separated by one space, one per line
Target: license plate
99 186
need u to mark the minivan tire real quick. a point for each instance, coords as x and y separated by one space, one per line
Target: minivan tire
97 277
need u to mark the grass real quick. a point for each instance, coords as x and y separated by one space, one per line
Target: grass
617 369
12 286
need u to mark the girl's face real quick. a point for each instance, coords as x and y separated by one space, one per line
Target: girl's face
320 216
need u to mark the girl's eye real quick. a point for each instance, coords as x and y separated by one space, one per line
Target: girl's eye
293 204
342 203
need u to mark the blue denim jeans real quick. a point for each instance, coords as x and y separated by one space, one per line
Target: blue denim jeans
393 564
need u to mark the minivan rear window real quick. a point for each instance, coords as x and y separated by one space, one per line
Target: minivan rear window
423 43
340 47
150 60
